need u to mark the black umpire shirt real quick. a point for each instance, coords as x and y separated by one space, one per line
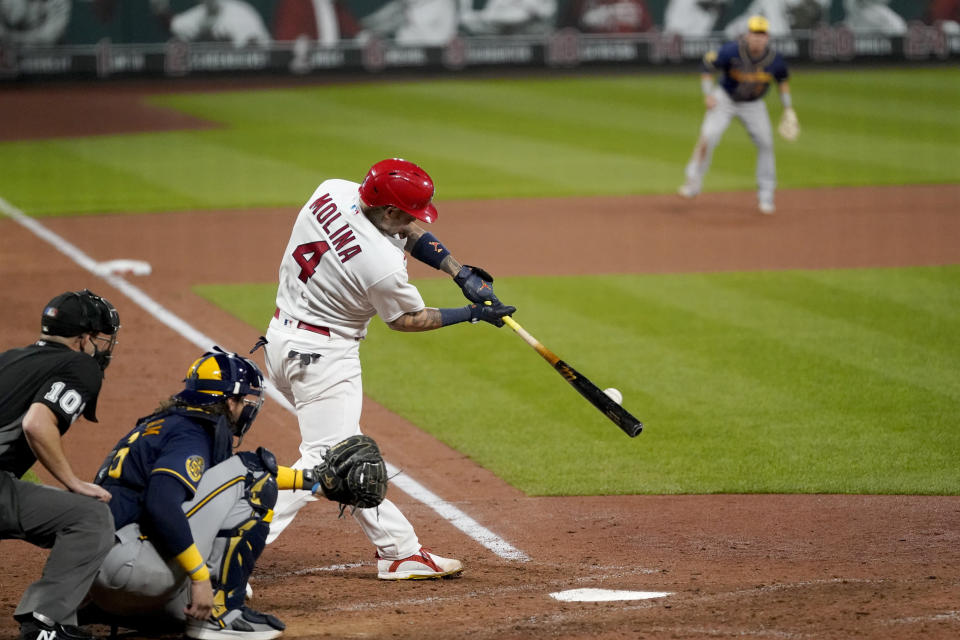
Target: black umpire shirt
53 374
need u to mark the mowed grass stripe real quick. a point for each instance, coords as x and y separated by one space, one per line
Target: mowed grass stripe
824 330
909 321
538 156
926 294
803 381
459 149
483 138
604 127
903 84
182 163
623 115
51 178
865 157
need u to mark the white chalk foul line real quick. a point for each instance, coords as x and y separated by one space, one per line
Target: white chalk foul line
405 483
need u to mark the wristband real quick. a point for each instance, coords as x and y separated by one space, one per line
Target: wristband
786 100
429 250
454 316
192 563
289 478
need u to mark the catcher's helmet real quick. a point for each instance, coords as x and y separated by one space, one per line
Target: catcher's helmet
74 313
402 184
218 375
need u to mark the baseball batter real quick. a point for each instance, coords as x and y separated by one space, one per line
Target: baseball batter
747 66
345 264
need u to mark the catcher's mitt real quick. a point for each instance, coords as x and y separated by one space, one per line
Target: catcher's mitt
353 473
789 126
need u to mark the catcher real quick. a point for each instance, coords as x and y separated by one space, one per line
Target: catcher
747 67
192 516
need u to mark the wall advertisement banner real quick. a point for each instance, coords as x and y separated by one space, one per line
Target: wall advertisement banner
177 38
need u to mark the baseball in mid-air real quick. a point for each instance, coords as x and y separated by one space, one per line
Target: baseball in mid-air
614 394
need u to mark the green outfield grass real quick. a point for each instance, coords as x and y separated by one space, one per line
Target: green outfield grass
809 381
586 135
799 381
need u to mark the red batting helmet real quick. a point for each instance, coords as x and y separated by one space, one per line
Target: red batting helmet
402 184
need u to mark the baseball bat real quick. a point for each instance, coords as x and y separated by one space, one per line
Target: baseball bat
607 406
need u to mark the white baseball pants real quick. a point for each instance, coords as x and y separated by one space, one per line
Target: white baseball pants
328 396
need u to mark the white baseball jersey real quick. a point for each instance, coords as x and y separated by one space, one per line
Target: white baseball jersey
339 270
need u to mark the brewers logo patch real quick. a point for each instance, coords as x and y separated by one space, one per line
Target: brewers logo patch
195 467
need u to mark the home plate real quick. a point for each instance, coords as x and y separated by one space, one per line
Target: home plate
605 595
134 267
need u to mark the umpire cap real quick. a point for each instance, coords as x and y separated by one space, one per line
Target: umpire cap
76 312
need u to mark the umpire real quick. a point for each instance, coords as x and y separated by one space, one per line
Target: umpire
44 388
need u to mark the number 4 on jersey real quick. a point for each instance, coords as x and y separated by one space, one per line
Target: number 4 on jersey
307 256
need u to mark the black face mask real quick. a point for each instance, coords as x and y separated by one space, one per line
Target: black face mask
103 359
247 416
104 356
222 440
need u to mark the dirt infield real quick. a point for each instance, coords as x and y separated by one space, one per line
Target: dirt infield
764 566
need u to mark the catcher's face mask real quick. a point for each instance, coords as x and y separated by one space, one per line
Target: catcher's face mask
251 407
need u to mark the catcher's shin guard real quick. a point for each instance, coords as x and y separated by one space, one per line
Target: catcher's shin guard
239 546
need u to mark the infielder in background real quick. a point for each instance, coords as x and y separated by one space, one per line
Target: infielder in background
343 265
191 516
44 388
747 67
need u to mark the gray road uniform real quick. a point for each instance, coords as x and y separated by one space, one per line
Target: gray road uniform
187 509
744 81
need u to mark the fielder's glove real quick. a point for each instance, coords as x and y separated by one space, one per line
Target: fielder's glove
789 126
352 473
477 284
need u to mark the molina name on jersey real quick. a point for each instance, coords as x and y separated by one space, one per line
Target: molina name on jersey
339 270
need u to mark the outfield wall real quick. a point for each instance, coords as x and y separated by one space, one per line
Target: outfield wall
117 38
